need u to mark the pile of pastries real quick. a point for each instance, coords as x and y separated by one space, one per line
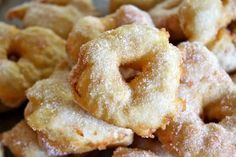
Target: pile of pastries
151 78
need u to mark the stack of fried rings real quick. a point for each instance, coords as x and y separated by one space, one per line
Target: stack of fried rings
26 56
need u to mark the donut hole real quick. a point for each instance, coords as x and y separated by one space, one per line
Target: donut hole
13 56
129 73
173 4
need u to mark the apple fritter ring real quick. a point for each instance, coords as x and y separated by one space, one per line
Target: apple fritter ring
89 27
144 103
129 152
207 126
62 126
26 56
60 19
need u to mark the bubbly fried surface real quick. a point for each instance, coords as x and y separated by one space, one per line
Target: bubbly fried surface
60 19
89 27
85 6
144 5
22 141
209 91
129 152
146 102
63 127
26 56
224 47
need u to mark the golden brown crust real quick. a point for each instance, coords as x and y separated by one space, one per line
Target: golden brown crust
22 141
61 19
26 56
89 27
203 84
85 6
62 126
101 91
132 152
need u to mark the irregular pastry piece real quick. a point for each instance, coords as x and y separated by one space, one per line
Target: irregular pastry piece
63 127
143 4
201 20
131 152
89 27
224 47
146 102
85 6
23 142
166 15
25 57
152 145
60 19
208 91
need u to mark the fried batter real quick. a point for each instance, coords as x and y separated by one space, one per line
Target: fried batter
90 27
224 47
143 4
63 127
60 19
208 92
146 102
85 6
23 142
129 152
26 56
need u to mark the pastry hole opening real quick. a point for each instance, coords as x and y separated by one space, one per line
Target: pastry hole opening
210 115
128 73
13 56
173 5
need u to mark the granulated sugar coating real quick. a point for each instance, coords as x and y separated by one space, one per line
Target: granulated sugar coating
148 101
62 126
203 84
90 27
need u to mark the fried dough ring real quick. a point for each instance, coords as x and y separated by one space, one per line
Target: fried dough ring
62 126
145 103
144 5
60 19
129 152
85 6
203 86
25 57
224 47
89 27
